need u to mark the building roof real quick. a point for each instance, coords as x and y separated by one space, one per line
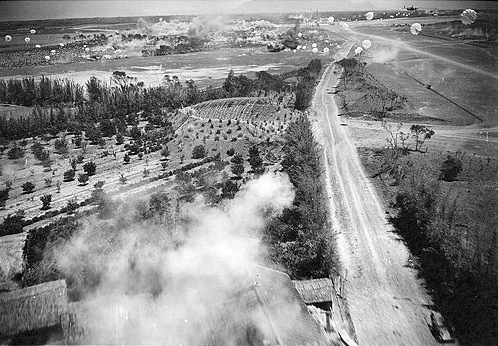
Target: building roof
11 260
262 306
32 308
315 291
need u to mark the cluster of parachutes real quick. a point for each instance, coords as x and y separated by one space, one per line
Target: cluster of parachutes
8 38
468 16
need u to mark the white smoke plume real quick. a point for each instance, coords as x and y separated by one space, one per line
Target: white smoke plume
384 55
167 284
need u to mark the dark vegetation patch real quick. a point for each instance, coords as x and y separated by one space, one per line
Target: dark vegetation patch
444 206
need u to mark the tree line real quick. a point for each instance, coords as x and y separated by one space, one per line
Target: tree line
300 239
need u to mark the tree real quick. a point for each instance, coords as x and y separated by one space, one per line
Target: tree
93 134
90 168
4 196
12 224
126 159
229 189
15 153
421 134
238 165
83 179
119 139
60 145
165 152
28 187
450 168
199 152
255 160
69 175
135 132
46 199
122 179
107 128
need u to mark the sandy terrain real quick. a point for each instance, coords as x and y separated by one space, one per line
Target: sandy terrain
387 302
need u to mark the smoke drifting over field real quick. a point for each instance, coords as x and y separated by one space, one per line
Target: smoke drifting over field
191 269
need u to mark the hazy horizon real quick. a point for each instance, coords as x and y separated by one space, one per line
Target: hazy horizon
38 10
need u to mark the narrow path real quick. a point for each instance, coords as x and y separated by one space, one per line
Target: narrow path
386 300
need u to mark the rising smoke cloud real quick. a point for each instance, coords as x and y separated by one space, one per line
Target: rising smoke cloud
167 284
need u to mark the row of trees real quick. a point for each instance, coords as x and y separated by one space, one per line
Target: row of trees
44 92
300 238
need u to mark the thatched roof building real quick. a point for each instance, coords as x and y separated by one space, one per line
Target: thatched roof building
12 264
315 291
32 308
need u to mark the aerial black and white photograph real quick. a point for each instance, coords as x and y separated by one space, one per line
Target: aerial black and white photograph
249 172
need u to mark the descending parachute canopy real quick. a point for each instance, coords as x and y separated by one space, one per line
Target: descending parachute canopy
369 15
468 16
358 50
331 20
47 57
304 47
366 44
299 34
315 50
52 51
37 46
8 38
27 40
32 31
61 44
415 28
326 50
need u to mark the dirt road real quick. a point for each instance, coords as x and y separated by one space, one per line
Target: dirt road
386 300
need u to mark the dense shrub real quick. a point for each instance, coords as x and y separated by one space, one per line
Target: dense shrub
199 152
28 187
89 168
450 168
69 175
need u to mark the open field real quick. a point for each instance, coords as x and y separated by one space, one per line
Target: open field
463 73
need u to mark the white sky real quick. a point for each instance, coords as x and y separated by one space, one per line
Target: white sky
22 10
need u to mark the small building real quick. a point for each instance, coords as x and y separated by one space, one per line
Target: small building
12 261
317 292
32 315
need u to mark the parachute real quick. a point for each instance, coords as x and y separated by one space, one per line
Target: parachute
468 16
32 31
415 28
313 45
8 38
27 40
358 50
304 47
52 51
326 50
331 20
47 57
369 15
61 44
315 50
37 46
299 34
366 44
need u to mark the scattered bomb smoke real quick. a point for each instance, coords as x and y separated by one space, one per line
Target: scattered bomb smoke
166 285
384 55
